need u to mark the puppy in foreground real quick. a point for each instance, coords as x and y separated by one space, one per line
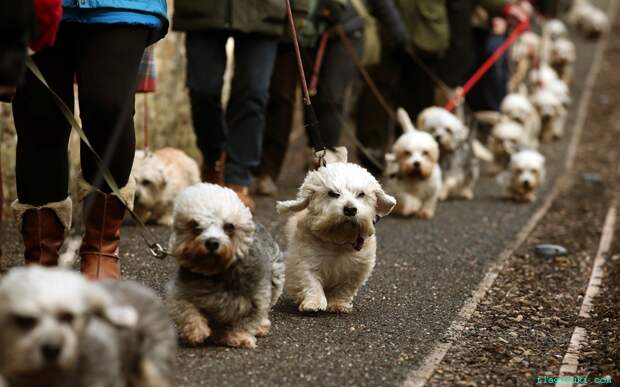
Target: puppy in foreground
60 330
331 235
230 270
160 176
527 173
413 172
459 165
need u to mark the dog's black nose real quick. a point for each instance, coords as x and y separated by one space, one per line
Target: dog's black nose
526 184
416 165
350 211
137 196
212 244
438 138
50 352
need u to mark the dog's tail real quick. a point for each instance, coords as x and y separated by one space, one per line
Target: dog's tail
404 120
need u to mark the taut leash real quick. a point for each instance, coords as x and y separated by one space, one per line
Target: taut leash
310 120
475 78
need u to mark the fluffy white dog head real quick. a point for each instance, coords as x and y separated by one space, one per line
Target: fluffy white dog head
542 75
448 130
527 46
149 173
517 107
44 313
548 104
556 29
506 138
527 171
341 202
563 52
211 229
415 153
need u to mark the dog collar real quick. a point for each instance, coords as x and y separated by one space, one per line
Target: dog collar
359 243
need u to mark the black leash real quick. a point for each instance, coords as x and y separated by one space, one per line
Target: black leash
310 120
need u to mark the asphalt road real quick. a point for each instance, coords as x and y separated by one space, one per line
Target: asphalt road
425 271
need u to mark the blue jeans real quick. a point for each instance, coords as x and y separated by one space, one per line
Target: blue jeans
493 86
238 132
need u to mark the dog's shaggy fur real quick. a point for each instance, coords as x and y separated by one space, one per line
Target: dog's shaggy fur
552 113
230 270
588 19
507 137
527 173
60 330
331 236
413 172
459 166
160 176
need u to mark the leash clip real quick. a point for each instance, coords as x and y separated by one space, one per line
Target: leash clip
157 251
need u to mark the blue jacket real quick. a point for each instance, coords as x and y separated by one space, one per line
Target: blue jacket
125 9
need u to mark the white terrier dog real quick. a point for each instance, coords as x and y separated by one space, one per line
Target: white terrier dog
518 108
160 176
458 163
60 330
552 113
527 173
556 29
507 137
588 19
230 270
331 235
563 56
413 171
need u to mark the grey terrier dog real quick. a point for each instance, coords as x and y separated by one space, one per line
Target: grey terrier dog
230 272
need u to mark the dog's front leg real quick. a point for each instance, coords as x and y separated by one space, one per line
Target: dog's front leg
428 207
341 299
312 297
192 324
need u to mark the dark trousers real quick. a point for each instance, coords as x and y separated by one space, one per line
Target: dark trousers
104 61
239 133
404 84
493 86
337 73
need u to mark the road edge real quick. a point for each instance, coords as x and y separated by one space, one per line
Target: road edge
420 376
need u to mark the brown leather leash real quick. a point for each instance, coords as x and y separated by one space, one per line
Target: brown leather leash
310 120
318 62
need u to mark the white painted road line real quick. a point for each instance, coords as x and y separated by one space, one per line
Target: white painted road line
599 262
571 359
420 376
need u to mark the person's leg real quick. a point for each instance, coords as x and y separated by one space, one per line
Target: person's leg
279 119
43 206
254 60
108 61
206 64
336 76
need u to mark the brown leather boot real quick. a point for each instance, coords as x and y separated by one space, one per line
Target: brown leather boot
243 193
214 172
43 235
103 216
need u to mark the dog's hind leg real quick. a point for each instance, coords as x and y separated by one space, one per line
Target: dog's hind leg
192 324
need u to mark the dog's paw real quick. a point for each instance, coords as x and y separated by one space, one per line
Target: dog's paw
467 194
425 214
239 339
313 305
340 307
264 328
165 220
195 332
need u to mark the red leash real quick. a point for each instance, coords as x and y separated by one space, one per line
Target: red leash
522 27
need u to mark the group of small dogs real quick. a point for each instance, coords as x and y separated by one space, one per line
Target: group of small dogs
58 329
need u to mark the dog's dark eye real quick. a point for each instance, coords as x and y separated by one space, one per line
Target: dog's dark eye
229 228
146 182
195 227
25 322
449 131
425 154
406 153
333 194
361 195
66 318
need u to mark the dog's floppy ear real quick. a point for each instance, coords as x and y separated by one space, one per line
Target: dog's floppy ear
103 306
296 205
385 203
341 154
404 120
